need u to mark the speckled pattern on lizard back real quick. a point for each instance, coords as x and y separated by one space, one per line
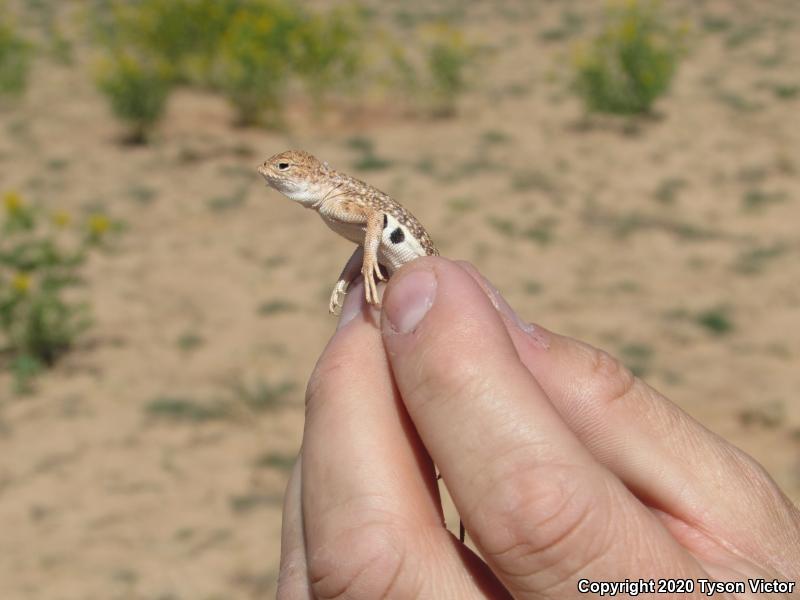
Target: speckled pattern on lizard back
386 234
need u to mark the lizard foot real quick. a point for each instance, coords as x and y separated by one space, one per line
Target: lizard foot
337 297
370 272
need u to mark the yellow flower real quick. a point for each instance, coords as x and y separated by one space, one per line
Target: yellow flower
629 29
21 282
61 218
12 202
98 225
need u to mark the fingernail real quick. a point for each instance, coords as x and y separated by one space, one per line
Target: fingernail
504 308
529 329
411 299
353 304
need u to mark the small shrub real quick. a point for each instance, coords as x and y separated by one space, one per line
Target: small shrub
260 395
753 260
541 231
631 62
368 159
447 56
638 358
190 341
271 307
183 35
755 199
14 61
715 320
668 189
256 59
372 162
39 261
276 460
137 92
185 410
328 53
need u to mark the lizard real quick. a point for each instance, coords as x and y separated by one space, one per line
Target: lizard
386 235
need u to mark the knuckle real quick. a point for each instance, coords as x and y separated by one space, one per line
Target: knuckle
754 477
539 520
607 380
363 562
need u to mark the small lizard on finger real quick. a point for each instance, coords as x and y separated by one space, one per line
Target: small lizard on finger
386 234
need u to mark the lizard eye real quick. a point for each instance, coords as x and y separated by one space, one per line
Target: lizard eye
283 166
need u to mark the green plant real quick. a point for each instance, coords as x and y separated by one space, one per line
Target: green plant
786 91
532 287
668 189
39 260
260 395
631 62
716 320
182 35
532 179
753 260
755 199
372 162
368 159
447 57
570 24
137 91
541 231
503 226
255 60
234 199
637 357
328 51
182 410
271 307
14 60
275 460
189 341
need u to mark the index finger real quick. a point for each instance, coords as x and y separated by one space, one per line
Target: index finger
371 512
536 502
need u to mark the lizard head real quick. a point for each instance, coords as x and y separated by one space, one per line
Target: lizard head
295 174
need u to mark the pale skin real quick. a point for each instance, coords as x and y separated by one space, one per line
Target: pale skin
562 465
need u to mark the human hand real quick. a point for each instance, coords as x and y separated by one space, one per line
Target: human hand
562 465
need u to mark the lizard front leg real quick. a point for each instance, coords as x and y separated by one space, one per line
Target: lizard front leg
347 276
370 268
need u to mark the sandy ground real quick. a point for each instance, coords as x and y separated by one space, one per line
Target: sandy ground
621 235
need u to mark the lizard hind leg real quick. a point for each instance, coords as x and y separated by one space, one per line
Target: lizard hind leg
371 268
351 270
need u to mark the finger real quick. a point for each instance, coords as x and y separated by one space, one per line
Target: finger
536 503
293 574
655 447
371 509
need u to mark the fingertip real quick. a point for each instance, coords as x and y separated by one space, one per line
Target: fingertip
353 303
411 298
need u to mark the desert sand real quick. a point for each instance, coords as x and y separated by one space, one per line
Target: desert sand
640 237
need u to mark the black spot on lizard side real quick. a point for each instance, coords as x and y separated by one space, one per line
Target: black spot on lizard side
397 236
385 220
